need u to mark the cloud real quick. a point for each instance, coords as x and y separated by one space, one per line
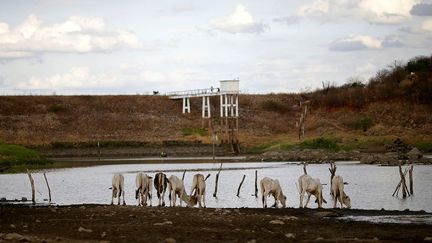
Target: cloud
76 77
240 21
290 20
372 11
76 35
421 9
355 43
393 41
427 25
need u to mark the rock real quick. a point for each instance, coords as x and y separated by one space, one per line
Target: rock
319 238
276 221
82 229
3 199
170 240
329 214
375 239
37 221
383 159
428 238
57 239
251 241
290 235
103 235
415 154
289 218
82 207
24 199
164 223
12 226
16 237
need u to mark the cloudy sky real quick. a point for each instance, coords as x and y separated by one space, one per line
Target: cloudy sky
130 47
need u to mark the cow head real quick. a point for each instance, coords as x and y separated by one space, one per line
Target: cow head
282 199
193 200
347 201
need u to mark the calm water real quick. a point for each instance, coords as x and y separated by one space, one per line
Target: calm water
370 186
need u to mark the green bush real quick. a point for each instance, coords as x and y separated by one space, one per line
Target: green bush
320 143
11 155
191 131
57 108
363 123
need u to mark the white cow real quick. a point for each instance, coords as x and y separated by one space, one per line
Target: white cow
143 190
176 188
311 187
198 185
160 184
337 188
117 188
272 187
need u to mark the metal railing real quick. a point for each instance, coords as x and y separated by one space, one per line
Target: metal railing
195 92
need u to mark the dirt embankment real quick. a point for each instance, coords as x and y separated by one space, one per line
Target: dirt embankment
94 223
43 120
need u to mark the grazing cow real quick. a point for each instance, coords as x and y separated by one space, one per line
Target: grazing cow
311 187
160 183
272 187
198 190
337 188
117 188
176 188
143 190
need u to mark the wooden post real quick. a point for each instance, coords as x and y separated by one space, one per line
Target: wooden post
99 151
256 183
241 183
216 181
32 186
184 172
396 191
411 179
304 168
49 190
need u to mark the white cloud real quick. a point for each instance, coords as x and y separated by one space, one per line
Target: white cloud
355 43
372 11
427 25
240 21
77 34
76 77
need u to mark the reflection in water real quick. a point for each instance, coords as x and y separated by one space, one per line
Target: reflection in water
392 219
369 186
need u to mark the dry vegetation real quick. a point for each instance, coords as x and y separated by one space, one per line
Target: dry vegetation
394 103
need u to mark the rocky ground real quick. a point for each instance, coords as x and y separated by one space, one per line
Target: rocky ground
97 223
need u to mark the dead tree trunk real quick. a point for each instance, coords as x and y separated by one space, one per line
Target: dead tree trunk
332 170
241 183
216 181
396 191
411 179
32 186
402 183
256 183
184 172
49 189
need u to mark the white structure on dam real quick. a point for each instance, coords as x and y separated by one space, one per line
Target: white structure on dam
229 107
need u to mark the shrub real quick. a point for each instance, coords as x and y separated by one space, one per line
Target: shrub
320 143
191 131
275 106
363 123
56 108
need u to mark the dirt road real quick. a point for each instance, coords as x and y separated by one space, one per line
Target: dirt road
97 223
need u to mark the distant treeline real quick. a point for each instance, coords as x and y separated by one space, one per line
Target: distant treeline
410 82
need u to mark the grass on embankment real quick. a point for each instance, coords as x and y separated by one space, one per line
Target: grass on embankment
17 158
331 144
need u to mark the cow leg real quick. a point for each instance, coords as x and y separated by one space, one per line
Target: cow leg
203 197
264 199
341 198
159 199
149 194
301 199
275 202
124 203
307 201
163 198
112 197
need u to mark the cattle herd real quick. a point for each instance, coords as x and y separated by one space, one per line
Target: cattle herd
269 187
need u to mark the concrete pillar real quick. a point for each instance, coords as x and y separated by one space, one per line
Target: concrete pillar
206 107
221 106
186 105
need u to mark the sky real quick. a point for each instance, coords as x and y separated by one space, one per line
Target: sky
73 47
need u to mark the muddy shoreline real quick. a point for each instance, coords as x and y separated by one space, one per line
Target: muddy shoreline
93 223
